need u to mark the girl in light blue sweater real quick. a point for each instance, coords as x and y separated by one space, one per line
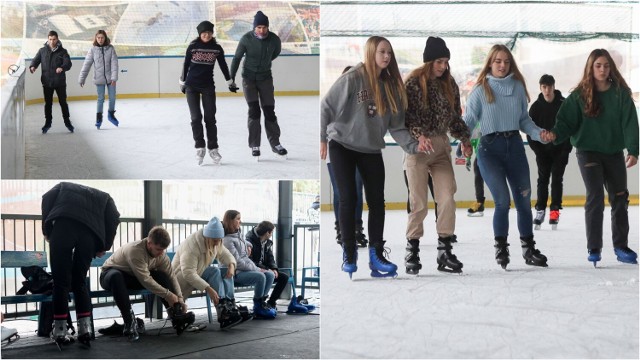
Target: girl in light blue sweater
498 103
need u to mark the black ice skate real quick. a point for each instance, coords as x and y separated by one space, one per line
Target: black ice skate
477 209
502 251
531 255
412 259
361 238
255 152
280 151
447 262
554 218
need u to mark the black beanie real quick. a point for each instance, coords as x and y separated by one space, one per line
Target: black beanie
260 19
435 49
204 26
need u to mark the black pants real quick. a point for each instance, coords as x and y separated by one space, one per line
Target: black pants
259 94
610 171
120 282
552 162
72 246
48 103
281 282
371 167
208 98
478 181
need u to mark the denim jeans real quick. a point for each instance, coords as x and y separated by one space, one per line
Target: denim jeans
112 97
261 281
216 278
609 171
336 196
503 164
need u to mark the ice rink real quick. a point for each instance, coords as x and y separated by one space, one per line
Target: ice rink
568 310
154 141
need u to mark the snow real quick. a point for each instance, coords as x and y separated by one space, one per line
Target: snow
568 310
154 141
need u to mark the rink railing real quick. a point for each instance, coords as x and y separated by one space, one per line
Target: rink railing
24 233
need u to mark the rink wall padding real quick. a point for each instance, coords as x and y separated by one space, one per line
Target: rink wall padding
154 77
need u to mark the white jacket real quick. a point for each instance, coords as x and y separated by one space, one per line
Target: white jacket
192 258
105 61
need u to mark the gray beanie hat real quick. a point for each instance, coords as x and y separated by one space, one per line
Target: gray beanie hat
214 229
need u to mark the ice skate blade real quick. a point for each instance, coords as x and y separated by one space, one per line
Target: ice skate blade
536 227
475 214
377 274
443 268
633 262
412 271
532 263
554 226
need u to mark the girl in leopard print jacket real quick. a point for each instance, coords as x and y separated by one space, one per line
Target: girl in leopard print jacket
433 110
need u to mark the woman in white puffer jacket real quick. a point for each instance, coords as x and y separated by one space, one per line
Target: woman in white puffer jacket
105 73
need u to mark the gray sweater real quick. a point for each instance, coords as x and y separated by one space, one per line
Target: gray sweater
105 61
345 117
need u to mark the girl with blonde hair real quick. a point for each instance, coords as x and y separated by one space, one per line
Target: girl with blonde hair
356 113
498 103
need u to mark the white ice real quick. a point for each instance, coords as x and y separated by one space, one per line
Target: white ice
154 141
568 310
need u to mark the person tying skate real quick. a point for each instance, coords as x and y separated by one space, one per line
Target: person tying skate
356 113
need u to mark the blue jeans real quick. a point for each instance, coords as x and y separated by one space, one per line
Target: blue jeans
215 277
261 281
336 196
503 164
112 97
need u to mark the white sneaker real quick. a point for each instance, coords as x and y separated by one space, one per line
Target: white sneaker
200 155
215 155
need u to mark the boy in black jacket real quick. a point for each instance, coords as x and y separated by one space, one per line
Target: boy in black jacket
262 256
551 159
55 62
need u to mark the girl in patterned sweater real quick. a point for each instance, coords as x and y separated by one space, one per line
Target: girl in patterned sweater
434 110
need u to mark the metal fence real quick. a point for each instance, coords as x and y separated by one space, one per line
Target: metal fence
23 233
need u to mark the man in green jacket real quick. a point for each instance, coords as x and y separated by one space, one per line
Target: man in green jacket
261 47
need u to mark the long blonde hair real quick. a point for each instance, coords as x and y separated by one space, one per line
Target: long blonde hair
587 86
486 69
390 77
423 74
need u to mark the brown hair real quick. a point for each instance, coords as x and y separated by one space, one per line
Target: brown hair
227 219
264 227
587 86
107 41
486 69
159 236
423 74
390 77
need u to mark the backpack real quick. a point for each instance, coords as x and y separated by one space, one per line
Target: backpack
39 281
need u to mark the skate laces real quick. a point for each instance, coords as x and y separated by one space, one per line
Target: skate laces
382 253
279 147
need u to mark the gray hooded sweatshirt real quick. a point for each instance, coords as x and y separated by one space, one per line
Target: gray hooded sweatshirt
346 117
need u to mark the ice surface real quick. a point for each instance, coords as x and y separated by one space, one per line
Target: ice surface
568 310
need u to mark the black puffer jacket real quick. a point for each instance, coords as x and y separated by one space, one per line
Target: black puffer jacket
261 254
52 59
91 207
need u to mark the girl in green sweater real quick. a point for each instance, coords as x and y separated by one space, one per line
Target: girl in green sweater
600 119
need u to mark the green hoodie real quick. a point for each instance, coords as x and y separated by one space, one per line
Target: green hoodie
615 129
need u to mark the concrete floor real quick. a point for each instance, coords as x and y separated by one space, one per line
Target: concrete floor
285 337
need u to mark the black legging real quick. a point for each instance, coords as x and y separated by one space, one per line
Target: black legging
72 246
120 282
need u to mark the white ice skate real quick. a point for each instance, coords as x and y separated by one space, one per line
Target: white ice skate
200 155
255 152
215 155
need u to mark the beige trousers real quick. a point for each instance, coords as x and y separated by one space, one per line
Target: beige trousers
418 168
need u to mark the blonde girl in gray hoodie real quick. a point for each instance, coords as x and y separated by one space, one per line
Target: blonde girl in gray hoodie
356 113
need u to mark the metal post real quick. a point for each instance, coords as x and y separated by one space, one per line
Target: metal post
285 225
152 217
